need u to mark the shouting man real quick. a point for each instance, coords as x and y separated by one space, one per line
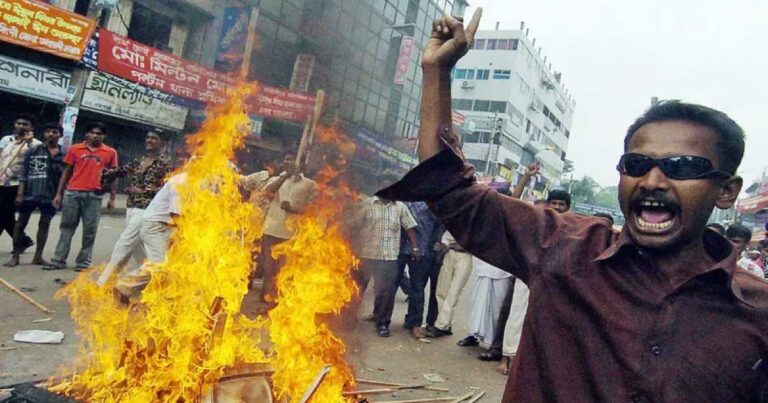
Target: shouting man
659 313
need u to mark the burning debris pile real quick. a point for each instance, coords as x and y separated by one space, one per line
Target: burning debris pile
176 342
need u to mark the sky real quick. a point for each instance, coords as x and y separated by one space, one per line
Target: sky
617 54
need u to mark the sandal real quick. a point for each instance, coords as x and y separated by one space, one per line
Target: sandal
491 355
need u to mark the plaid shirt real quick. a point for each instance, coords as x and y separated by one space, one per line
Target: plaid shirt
380 232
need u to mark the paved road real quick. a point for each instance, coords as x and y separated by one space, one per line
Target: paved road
399 358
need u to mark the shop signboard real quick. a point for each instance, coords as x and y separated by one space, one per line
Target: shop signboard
370 148
281 104
160 70
407 44
233 38
33 80
43 27
114 96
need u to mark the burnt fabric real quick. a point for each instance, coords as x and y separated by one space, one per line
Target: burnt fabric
604 324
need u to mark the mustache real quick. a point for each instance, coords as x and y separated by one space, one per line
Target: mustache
656 196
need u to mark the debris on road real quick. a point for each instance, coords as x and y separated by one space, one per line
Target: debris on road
42 320
436 378
38 337
23 296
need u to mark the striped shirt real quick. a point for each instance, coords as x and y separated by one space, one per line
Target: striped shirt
380 232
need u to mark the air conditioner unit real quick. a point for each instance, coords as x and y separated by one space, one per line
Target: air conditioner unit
467 84
533 107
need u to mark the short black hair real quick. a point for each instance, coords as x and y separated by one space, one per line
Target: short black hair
164 136
53 126
96 125
730 148
763 244
26 116
606 216
717 226
738 231
559 194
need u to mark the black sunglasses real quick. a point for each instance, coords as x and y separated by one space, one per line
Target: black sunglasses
682 167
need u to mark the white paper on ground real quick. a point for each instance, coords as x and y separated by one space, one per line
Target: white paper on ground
38 337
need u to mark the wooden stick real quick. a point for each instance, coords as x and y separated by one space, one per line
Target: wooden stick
380 383
315 384
385 390
23 296
463 398
428 400
478 397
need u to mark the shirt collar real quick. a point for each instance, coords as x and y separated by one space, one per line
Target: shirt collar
718 248
378 199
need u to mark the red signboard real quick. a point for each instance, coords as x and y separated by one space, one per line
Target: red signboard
752 204
42 27
281 104
163 71
404 59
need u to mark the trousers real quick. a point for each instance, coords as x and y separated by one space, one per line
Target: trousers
457 267
78 206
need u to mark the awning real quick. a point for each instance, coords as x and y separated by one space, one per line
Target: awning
752 204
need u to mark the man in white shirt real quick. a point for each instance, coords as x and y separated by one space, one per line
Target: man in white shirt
740 236
294 193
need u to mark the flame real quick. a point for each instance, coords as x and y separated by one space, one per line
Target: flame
164 348
169 347
315 282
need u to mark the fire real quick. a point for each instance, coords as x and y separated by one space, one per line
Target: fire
169 346
314 283
165 347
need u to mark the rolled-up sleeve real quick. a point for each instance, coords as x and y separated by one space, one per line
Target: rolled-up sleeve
505 232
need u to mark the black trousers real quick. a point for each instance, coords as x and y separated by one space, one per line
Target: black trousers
8 209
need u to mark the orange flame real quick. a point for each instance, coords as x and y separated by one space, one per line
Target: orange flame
163 349
315 282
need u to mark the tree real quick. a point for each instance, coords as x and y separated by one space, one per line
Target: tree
585 190
608 197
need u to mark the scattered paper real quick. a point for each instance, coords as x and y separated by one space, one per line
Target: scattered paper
38 337
41 320
436 378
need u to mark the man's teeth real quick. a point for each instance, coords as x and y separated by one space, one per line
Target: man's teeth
647 225
650 203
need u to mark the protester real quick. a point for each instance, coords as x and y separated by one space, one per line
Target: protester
489 286
717 228
740 236
38 180
146 175
659 313
13 150
420 266
82 200
606 216
293 194
380 222
454 275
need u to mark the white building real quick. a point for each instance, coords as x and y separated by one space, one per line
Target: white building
504 86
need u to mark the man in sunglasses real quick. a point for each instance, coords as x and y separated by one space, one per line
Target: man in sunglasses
659 313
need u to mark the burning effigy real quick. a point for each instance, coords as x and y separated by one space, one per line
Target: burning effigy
186 332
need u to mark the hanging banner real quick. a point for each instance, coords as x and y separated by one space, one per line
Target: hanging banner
114 96
33 80
407 45
281 104
232 39
162 71
302 72
68 123
45 28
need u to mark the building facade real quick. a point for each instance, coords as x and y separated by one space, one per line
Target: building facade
516 108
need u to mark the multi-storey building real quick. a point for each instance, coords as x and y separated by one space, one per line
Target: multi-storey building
517 109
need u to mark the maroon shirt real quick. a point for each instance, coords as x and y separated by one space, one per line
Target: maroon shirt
604 324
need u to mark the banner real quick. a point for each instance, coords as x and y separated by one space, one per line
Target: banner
156 69
232 39
281 104
33 80
117 97
371 149
404 59
68 123
302 72
46 28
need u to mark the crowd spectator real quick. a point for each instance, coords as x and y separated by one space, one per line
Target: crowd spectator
740 236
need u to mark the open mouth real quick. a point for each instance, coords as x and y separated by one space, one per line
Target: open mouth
655 216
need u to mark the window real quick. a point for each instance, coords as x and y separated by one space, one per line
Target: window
461 74
517 116
502 44
477 137
512 45
491 44
81 6
483 74
150 27
497 106
482 106
462 104
502 74
479 44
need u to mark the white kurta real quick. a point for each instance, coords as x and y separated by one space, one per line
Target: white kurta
489 286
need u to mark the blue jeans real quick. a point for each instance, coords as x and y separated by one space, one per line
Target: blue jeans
76 206
421 272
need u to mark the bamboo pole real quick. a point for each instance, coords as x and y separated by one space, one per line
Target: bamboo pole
381 383
23 296
427 400
384 390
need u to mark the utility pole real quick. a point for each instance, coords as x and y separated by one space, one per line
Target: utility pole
495 132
